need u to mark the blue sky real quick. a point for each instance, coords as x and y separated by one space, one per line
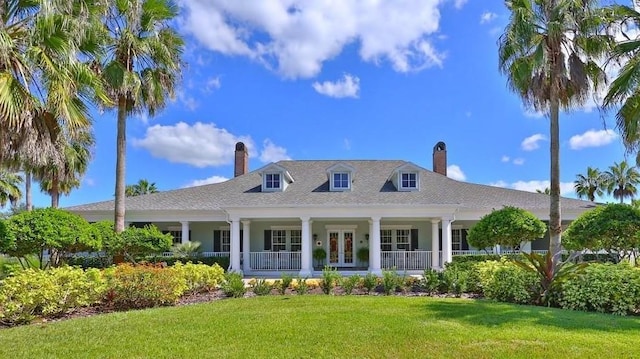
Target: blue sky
345 80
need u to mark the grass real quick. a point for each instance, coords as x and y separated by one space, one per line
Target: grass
330 327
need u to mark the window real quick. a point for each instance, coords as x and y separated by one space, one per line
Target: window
456 239
278 240
341 180
272 181
296 240
177 236
402 239
386 240
409 180
225 241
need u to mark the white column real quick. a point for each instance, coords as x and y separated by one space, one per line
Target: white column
306 265
246 246
235 247
435 244
446 241
185 232
374 248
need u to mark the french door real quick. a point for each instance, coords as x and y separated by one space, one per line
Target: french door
341 248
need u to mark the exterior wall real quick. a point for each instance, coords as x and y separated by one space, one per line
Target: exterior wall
258 228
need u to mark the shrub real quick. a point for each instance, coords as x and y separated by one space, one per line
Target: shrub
455 280
260 286
349 283
143 286
135 243
508 226
506 282
466 269
329 279
223 262
606 288
319 255
302 287
50 293
285 282
47 229
89 262
369 282
390 281
430 281
233 285
200 277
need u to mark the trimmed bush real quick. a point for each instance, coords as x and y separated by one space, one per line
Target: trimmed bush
369 282
143 286
506 282
605 288
223 262
390 281
430 281
260 287
302 286
30 293
455 279
330 277
285 282
200 277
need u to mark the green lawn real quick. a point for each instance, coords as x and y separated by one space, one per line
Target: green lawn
329 327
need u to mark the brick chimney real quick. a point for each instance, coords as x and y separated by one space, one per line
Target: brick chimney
440 158
242 160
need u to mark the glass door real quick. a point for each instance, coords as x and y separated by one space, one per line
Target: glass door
334 251
347 252
341 248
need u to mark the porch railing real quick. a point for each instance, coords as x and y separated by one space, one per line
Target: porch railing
203 254
275 261
406 260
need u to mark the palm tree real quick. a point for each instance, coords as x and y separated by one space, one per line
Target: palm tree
44 85
142 187
56 179
548 52
622 180
9 187
141 70
591 184
625 89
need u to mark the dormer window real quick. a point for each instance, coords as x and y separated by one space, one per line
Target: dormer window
275 178
341 180
340 177
408 180
272 181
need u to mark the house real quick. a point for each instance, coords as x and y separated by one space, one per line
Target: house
272 219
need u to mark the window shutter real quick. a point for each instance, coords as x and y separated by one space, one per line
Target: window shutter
464 244
241 240
216 241
440 237
190 240
267 239
414 239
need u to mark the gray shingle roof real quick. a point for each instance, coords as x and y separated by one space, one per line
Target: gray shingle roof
371 186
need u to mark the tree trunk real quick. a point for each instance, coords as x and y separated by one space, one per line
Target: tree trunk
27 190
55 196
121 148
555 222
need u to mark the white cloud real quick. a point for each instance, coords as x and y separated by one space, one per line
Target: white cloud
455 172
210 180
534 185
295 37
188 101
518 161
272 153
531 143
487 17
348 86
347 144
213 83
592 138
505 158
199 145
459 3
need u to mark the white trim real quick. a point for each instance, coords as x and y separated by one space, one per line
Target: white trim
276 227
224 228
340 226
408 189
174 228
332 182
396 226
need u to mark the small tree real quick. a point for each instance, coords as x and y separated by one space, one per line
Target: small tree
614 228
48 229
509 226
134 243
